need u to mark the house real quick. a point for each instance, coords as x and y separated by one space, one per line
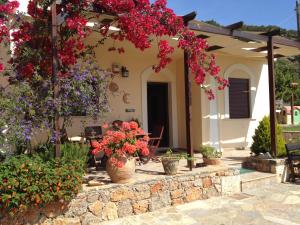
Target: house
229 121
285 115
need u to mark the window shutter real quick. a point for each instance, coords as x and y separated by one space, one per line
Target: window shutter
239 98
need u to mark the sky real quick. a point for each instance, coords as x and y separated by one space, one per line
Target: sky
252 12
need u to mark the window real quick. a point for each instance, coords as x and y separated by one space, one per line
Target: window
239 98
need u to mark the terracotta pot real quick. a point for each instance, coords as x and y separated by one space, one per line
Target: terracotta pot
170 165
212 161
124 174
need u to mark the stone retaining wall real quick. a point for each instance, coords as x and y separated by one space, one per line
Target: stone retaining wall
289 136
95 205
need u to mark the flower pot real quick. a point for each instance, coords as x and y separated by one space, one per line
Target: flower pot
170 165
212 161
121 175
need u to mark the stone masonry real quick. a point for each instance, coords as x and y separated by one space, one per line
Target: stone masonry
95 205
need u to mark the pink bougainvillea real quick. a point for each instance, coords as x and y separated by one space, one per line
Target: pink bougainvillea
138 21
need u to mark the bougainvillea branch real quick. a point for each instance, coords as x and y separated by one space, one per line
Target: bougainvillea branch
138 21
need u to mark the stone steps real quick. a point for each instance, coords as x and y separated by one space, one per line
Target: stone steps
256 179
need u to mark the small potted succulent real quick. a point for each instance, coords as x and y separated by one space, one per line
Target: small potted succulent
211 156
170 161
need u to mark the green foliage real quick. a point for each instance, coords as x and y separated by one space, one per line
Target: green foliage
262 140
27 181
255 28
70 152
210 152
177 156
286 72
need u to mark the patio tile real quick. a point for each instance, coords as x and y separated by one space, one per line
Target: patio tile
276 204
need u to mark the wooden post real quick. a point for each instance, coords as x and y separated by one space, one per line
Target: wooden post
188 111
272 96
55 80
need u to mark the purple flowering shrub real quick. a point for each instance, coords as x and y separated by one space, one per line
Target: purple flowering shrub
27 107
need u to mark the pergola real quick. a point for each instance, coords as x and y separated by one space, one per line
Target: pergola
266 42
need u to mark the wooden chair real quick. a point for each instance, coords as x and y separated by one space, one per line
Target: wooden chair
153 145
293 161
117 124
94 133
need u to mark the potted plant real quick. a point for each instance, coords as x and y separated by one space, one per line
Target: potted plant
121 147
211 156
170 161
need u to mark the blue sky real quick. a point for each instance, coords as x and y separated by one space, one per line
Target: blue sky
253 12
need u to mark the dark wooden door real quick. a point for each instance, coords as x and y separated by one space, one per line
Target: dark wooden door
158 110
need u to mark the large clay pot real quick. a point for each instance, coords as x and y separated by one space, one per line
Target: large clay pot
124 174
212 161
170 165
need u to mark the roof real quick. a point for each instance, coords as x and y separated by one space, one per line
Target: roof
288 108
243 43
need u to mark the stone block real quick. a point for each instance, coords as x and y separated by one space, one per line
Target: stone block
96 208
90 219
122 194
125 209
178 201
77 207
141 207
104 196
193 194
157 187
110 211
66 221
161 200
173 185
198 183
177 193
231 185
207 182
92 197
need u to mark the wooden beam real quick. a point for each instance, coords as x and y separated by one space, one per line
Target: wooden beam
188 98
213 48
272 96
235 26
188 111
274 32
202 36
242 34
262 49
189 17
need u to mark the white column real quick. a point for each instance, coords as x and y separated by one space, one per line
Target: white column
213 117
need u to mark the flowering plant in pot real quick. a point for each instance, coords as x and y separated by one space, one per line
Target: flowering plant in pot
170 161
211 156
121 147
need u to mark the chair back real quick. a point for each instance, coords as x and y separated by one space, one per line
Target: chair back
158 131
92 132
117 124
293 151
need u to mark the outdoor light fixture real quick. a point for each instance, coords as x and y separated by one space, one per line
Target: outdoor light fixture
125 72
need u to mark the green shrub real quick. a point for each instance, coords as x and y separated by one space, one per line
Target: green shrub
69 152
27 181
262 140
210 152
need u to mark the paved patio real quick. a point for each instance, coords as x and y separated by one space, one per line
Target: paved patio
266 205
153 170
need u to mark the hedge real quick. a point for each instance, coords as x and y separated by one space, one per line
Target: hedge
31 181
